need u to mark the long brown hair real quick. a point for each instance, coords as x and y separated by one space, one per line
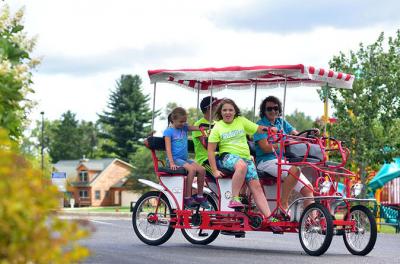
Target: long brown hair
218 112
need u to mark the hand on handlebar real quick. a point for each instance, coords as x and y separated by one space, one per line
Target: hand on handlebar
272 130
218 174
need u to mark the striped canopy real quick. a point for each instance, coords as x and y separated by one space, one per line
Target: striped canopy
243 77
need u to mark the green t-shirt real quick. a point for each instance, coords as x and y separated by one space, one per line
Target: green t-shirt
201 154
231 138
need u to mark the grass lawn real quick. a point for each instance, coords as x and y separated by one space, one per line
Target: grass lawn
387 229
108 209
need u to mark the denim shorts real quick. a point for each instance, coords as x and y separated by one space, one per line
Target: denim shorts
229 161
180 162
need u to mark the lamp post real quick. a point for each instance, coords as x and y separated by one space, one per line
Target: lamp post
42 143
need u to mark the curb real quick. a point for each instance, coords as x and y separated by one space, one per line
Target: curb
89 214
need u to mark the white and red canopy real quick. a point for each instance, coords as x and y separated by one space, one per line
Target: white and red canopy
242 77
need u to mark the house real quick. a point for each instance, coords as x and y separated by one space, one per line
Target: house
97 182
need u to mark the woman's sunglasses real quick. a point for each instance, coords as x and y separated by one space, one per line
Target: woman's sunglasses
270 108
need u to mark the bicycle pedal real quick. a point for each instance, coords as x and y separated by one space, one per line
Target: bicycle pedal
237 234
202 234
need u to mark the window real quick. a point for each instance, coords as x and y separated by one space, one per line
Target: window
107 194
97 195
83 194
83 176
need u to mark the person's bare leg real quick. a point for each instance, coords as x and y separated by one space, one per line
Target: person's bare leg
306 192
259 197
238 177
288 185
201 174
189 178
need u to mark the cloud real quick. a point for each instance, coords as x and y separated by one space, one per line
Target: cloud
113 60
299 16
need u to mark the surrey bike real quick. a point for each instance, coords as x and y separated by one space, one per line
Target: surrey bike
336 210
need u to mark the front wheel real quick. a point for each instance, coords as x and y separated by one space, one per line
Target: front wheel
361 240
316 229
151 218
199 236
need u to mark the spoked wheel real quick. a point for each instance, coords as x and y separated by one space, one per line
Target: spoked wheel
151 218
361 240
316 229
198 236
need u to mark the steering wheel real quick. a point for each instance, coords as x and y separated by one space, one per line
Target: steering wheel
309 133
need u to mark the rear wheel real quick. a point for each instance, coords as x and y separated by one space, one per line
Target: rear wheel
316 229
361 240
151 218
199 236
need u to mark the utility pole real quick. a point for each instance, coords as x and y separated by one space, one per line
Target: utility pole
42 143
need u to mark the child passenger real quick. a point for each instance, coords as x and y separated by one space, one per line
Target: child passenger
176 145
230 135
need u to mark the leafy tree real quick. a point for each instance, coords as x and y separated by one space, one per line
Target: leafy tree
15 72
300 121
29 230
65 143
368 115
129 118
143 167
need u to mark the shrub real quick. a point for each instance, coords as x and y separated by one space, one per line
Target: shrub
30 231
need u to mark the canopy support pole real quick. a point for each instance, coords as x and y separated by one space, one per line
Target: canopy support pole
154 106
254 105
284 100
326 118
198 99
211 106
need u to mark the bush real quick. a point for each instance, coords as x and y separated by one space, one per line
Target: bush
30 231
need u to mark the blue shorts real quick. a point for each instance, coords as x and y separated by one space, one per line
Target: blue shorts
229 161
180 162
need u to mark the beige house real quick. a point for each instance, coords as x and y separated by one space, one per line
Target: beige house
97 182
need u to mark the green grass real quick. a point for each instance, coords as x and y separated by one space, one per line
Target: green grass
108 209
387 229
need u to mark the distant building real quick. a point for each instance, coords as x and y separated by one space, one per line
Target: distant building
99 182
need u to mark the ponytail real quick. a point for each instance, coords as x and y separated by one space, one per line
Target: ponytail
169 119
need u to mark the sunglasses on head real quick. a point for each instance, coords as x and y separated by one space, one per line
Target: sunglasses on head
270 108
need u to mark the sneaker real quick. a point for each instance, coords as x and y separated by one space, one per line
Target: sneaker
190 203
275 229
234 204
203 202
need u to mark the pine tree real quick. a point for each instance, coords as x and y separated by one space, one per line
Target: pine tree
66 140
128 119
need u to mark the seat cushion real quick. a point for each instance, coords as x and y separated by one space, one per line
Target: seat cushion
179 171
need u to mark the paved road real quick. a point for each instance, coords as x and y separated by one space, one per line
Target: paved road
115 242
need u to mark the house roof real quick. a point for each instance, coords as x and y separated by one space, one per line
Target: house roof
70 166
96 165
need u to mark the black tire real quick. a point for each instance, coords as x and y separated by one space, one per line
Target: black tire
315 226
164 212
199 240
350 238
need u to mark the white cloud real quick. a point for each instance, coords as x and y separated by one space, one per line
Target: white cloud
87 45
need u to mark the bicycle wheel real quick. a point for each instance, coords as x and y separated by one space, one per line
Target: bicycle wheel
151 218
316 229
202 237
362 240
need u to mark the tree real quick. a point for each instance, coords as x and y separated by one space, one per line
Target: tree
368 115
15 72
65 143
143 167
300 121
128 120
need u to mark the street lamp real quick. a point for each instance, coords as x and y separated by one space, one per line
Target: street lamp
42 143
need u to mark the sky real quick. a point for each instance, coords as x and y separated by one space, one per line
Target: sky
86 45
